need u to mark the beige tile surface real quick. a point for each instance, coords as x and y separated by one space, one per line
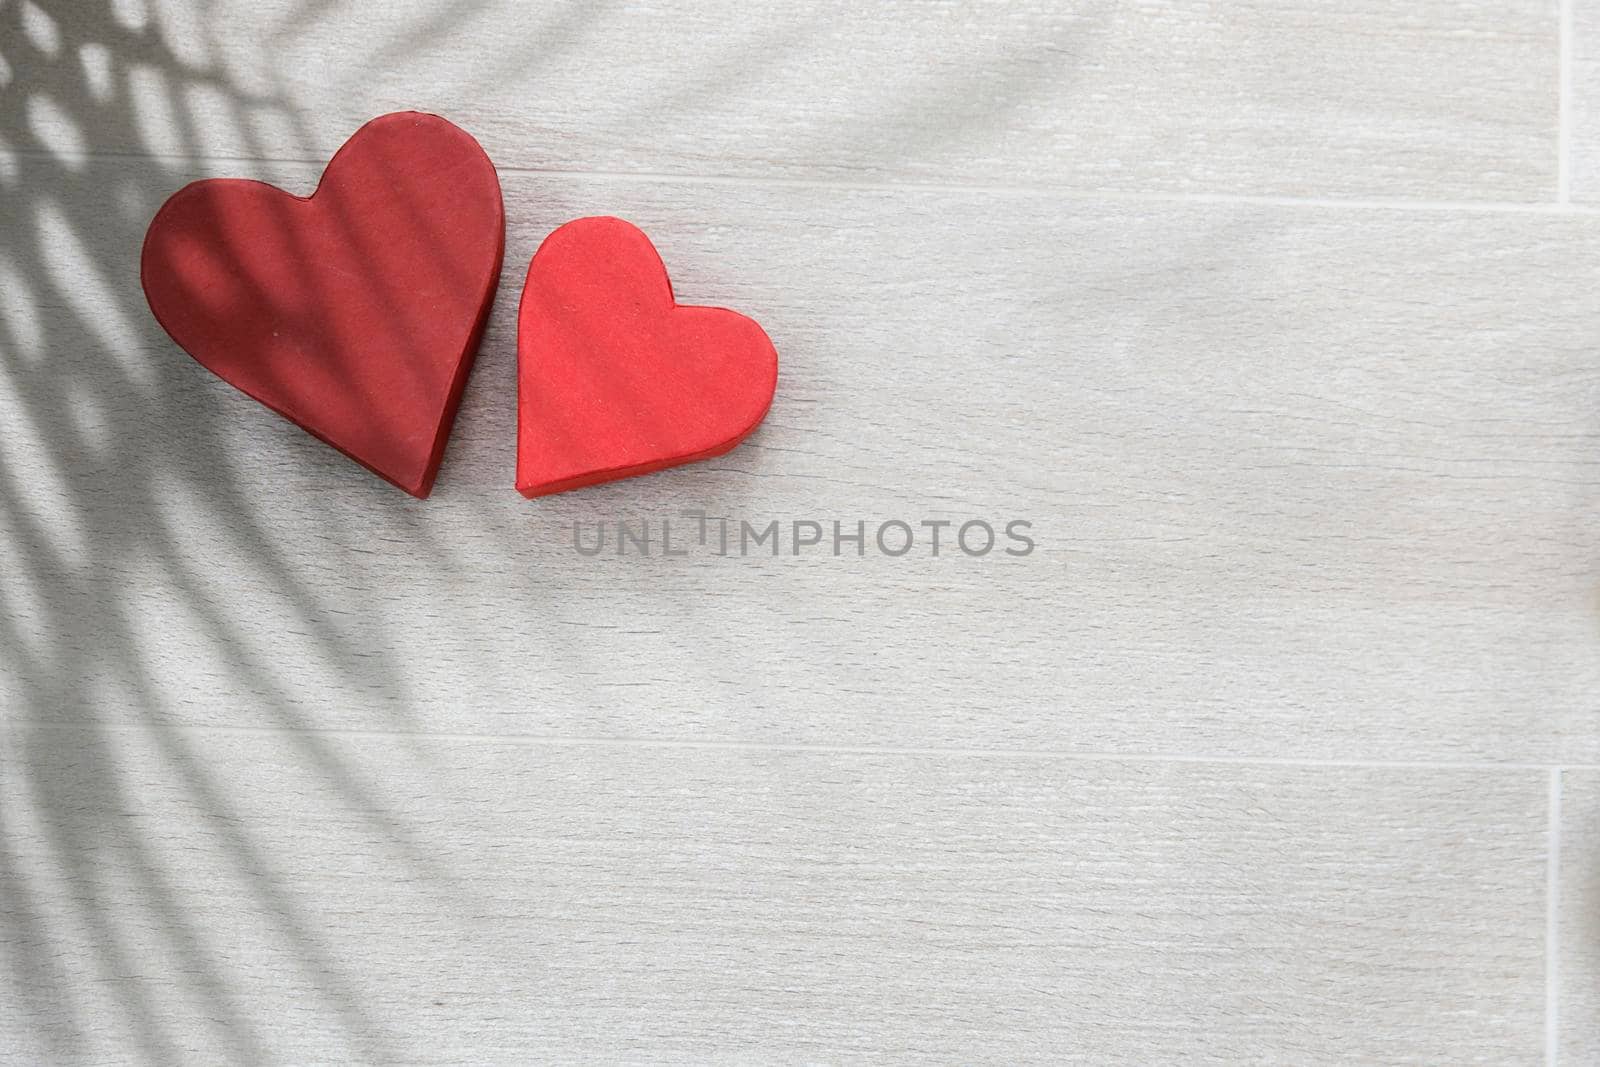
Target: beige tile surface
265 897
1437 99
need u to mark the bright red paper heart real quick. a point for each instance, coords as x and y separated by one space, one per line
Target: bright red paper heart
355 312
614 377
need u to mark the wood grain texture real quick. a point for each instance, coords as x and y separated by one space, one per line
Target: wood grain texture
1304 482
1583 103
1441 99
1309 482
1578 905
180 896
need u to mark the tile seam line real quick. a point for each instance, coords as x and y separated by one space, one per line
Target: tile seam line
1482 207
598 741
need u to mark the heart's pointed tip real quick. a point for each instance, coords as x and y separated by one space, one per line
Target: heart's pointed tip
421 483
533 490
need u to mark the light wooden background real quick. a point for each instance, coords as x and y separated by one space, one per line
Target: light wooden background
1277 318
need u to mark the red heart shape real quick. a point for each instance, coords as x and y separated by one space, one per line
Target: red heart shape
355 312
614 377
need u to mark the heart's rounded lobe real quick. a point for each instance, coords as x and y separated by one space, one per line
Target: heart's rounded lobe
355 312
614 377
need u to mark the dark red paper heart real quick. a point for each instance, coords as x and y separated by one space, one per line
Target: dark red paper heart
614 377
355 312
